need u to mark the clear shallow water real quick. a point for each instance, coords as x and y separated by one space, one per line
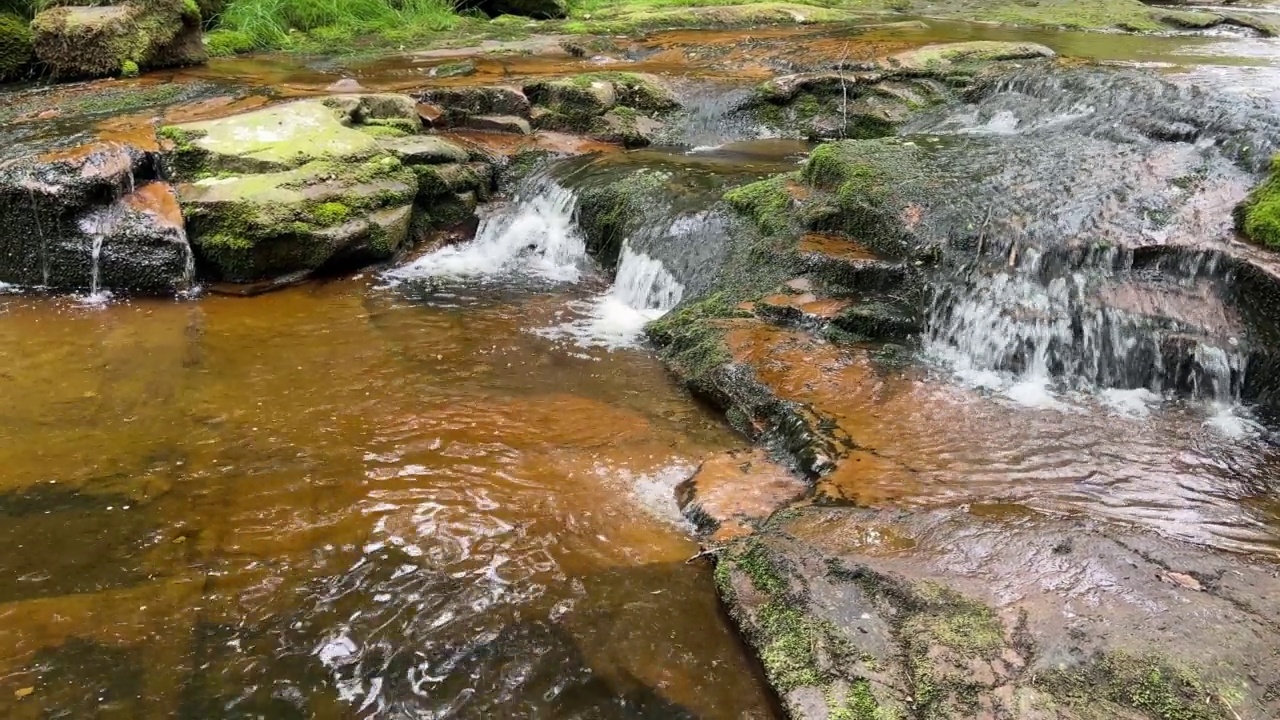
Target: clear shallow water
336 501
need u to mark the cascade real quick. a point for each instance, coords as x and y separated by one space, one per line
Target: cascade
534 234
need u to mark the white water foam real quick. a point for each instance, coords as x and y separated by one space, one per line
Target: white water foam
533 235
654 491
643 291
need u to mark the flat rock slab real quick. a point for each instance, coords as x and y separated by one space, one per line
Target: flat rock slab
279 138
996 611
731 491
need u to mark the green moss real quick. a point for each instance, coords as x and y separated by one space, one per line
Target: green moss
328 214
1162 688
1258 217
788 646
858 703
767 202
129 68
225 43
186 160
383 131
691 340
16 53
191 10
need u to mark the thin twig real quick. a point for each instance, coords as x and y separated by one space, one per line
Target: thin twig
982 231
706 552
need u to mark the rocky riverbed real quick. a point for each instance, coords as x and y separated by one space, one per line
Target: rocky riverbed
992 314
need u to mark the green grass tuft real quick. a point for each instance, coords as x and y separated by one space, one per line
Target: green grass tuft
283 24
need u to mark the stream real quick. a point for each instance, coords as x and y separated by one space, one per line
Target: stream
444 489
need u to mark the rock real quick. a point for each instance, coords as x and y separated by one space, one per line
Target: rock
54 206
430 114
16 52
461 103
732 491
921 614
499 123
625 126
100 41
251 227
935 59
575 100
276 138
287 190
460 68
345 85
143 240
424 150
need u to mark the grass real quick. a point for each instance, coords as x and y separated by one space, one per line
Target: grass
286 24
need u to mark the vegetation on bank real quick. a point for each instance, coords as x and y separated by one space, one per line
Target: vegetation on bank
239 26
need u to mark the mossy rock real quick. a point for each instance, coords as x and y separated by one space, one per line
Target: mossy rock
1258 217
268 140
99 41
225 43
16 51
253 227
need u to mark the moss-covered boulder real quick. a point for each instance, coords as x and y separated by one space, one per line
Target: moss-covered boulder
614 107
252 227
1258 217
321 184
16 52
107 40
274 138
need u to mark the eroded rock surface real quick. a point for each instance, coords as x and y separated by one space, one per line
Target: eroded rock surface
999 612
92 217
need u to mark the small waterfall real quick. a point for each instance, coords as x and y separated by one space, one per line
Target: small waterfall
1029 328
98 226
95 271
44 242
533 235
643 290
644 284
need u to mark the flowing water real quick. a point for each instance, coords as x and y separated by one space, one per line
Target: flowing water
343 501
445 490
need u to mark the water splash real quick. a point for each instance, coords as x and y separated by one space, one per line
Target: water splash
643 290
532 235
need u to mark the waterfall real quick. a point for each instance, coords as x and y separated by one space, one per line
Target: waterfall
534 234
97 226
643 290
1029 328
